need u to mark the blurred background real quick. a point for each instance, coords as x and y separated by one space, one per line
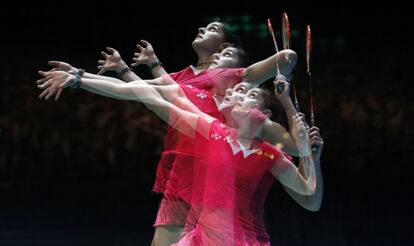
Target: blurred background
80 171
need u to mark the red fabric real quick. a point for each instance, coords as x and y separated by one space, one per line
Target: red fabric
196 88
228 192
172 211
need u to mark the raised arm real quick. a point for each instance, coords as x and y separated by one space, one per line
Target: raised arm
311 202
266 69
284 98
303 183
275 133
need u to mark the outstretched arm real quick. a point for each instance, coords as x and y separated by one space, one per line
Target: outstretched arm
184 121
311 202
66 67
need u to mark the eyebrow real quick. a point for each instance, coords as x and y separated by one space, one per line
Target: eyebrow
231 51
214 25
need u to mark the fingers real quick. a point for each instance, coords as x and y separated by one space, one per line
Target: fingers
314 128
44 74
298 121
62 85
42 80
111 50
145 43
58 93
140 47
51 92
136 60
280 77
104 54
54 63
44 93
45 84
101 62
102 70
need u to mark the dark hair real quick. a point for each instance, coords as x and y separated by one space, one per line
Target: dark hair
242 56
268 99
229 35
271 103
234 40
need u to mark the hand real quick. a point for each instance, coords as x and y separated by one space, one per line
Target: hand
62 66
53 83
316 142
282 88
145 56
299 133
112 62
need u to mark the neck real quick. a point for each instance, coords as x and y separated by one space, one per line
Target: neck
246 130
204 60
230 122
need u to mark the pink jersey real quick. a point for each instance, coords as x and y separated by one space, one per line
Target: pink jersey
229 186
197 88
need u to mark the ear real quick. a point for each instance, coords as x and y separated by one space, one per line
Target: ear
268 113
224 45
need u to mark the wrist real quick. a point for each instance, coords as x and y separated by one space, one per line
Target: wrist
77 78
72 70
123 70
155 64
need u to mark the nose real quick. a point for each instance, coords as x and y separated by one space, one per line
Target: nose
241 97
216 56
202 30
229 92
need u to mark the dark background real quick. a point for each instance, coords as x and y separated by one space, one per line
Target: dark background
80 171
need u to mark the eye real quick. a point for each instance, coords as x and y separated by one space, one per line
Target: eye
213 29
241 89
227 54
252 95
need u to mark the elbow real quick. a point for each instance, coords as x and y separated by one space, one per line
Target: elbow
314 207
291 56
288 60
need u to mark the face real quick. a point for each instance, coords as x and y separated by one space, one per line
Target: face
227 58
210 38
233 94
252 101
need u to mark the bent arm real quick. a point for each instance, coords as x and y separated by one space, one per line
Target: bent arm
276 134
266 69
293 179
310 202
